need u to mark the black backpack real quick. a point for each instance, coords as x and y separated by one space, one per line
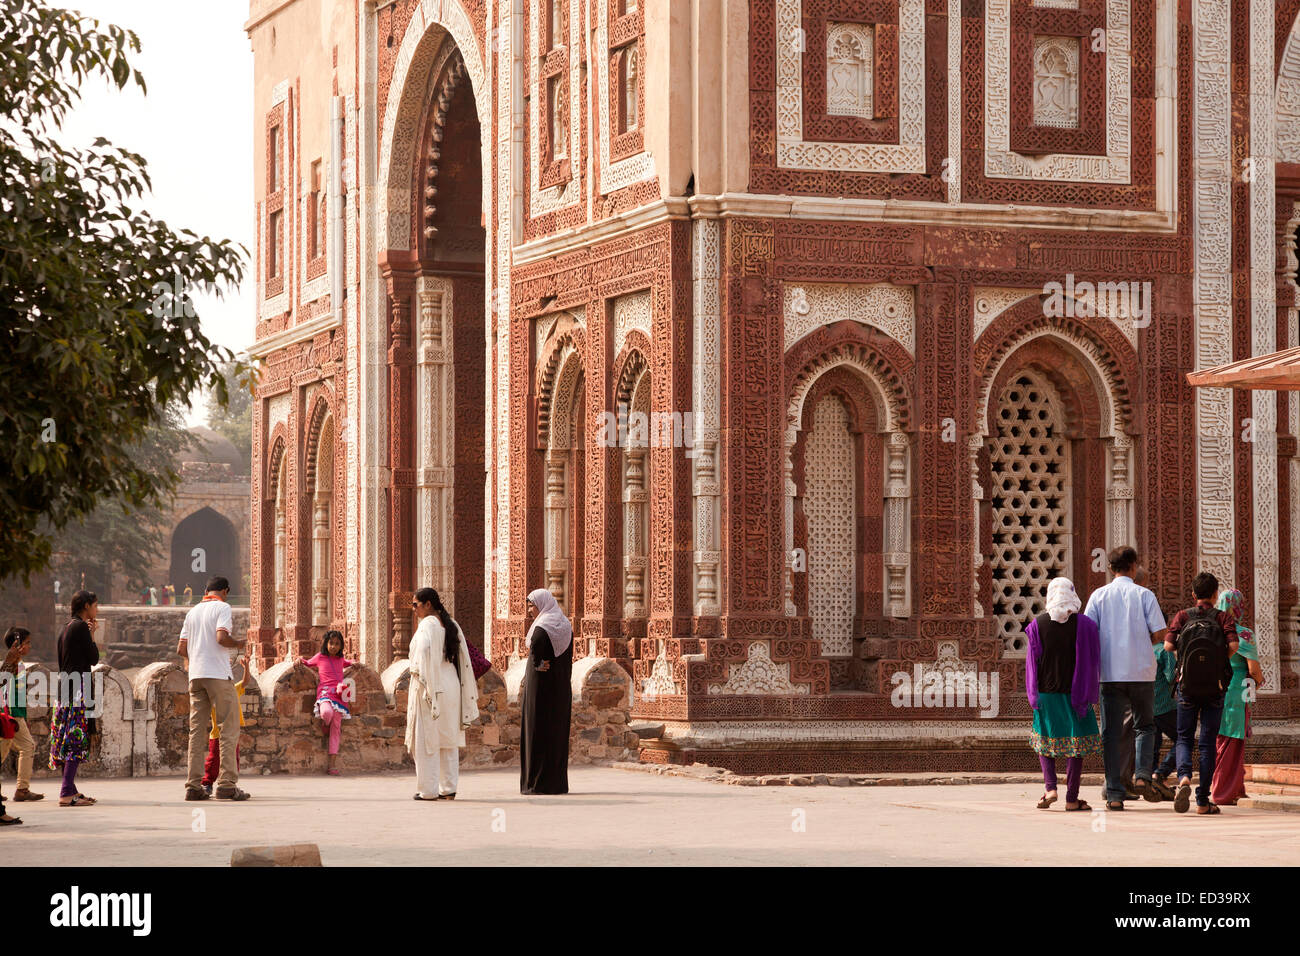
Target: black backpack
1203 669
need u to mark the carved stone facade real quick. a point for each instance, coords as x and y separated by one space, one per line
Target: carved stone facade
735 325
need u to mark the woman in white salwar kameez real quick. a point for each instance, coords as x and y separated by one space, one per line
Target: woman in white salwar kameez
442 698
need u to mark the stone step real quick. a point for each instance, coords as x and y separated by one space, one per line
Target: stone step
646 730
1277 773
1274 788
1268 801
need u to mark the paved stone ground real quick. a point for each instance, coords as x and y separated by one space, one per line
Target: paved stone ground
617 816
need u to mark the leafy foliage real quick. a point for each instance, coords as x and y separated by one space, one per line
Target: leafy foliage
234 418
98 333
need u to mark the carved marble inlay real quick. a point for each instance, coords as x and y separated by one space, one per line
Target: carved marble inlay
1029 459
890 308
850 64
999 161
1056 81
794 152
759 675
992 301
829 504
630 312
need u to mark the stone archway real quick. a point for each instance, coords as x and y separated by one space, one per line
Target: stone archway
202 545
426 332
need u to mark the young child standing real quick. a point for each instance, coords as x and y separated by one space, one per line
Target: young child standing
17 644
331 707
212 766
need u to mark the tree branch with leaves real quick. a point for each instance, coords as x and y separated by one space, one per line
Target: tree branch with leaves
99 334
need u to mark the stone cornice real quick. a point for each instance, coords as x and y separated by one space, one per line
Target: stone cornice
298 333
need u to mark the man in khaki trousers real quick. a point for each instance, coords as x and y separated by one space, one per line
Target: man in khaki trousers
204 643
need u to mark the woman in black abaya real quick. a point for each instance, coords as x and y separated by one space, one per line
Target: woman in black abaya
546 698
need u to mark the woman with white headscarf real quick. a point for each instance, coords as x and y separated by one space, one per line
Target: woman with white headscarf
546 698
1062 679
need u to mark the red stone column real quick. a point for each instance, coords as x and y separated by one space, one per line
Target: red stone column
751 447
261 612
1288 194
600 499
672 508
400 289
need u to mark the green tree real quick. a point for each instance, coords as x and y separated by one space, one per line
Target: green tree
98 330
234 418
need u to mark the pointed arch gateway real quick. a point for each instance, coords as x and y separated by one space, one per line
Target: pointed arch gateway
426 348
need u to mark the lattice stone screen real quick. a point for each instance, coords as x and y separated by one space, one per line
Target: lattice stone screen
1030 463
829 482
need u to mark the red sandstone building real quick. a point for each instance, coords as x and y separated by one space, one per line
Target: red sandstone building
793 344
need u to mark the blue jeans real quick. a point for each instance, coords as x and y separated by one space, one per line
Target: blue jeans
1117 698
1209 714
1166 726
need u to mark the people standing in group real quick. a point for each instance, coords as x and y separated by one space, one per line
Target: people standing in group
212 765
546 698
331 695
1061 680
1205 638
1130 622
205 644
17 644
442 698
72 727
1229 782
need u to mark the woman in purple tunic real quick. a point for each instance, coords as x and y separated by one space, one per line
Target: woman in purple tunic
1062 679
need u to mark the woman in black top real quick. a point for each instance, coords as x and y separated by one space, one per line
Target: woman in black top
71 729
546 699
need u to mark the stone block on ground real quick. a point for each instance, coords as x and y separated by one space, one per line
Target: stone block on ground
294 854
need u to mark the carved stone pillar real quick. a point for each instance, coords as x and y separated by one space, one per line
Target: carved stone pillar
320 534
634 538
1119 493
974 444
557 526
280 556
401 458
898 558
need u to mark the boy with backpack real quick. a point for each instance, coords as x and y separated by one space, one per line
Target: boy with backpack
1204 638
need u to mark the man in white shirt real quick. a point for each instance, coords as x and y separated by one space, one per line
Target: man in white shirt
1130 621
205 638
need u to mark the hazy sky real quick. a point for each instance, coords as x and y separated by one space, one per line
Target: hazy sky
194 128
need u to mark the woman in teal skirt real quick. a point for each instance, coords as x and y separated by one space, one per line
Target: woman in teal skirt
1062 680
1229 784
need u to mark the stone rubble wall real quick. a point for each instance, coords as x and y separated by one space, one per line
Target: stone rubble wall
144 724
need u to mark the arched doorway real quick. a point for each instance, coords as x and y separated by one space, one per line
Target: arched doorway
205 544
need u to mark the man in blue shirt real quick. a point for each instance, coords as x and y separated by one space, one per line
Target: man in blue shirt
1130 621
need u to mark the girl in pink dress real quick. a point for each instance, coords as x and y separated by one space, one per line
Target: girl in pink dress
332 692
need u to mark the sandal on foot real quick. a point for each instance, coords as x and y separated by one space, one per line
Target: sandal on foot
1184 798
1207 809
78 801
1047 800
427 799
1147 791
26 796
1082 805
11 822
1114 804
446 796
